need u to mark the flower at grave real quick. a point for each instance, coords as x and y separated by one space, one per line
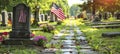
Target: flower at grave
5 33
40 40
32 35
1 38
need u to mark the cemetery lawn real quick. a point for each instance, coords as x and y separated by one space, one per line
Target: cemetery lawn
23 49
107 45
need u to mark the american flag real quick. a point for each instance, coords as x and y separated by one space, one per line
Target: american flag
22 17
57 11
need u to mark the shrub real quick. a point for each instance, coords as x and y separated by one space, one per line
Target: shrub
40 40
48 28
59 22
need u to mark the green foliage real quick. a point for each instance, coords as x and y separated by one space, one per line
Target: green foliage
74 10
45 6
59 22
111 19
19 49
48 28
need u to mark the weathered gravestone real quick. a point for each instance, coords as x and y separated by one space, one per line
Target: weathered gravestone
46 17
4 18
56 19
118 15
110 34
105 16
42 17
10 16
52 17
0 17
96 19
20 34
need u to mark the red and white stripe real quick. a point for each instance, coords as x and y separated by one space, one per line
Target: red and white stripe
58 12
22 17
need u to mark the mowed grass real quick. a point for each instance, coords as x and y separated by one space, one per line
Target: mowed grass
22 49
105 45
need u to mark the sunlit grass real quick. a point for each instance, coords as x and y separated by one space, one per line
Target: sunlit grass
6 30
102 44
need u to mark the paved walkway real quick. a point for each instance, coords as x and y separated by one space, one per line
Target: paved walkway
72 41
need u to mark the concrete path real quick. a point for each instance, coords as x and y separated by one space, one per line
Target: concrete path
73 41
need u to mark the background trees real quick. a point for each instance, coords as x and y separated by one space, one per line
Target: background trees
44 5
102 5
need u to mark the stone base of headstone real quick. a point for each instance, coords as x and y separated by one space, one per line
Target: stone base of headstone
16 41
3 25
19 38
110 34
20 34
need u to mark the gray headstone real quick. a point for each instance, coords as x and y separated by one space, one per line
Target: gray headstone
118 15
42 17
4 18
96 19
10 16
0 17
20 33
46 17
52 17
55 18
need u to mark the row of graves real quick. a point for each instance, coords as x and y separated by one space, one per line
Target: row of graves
7 18
99 24
98 16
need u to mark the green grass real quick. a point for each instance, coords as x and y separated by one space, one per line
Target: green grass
102 44
18 49
33 49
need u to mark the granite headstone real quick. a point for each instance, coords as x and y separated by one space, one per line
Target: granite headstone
4 18
20 34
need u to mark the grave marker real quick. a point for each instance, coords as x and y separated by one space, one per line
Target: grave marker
20 33
46 17
0 17
4 18
42 17
10 17
52 17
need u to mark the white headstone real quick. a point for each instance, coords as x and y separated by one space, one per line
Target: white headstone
0 17
42 17
10 15
4 17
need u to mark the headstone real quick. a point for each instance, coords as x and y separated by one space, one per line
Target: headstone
46 17
42 17
4 18
96 19
118 15
56 19
20 34
110 34
32 18
10 17
0 17
52 18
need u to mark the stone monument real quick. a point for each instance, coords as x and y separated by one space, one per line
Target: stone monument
20 34
4 18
